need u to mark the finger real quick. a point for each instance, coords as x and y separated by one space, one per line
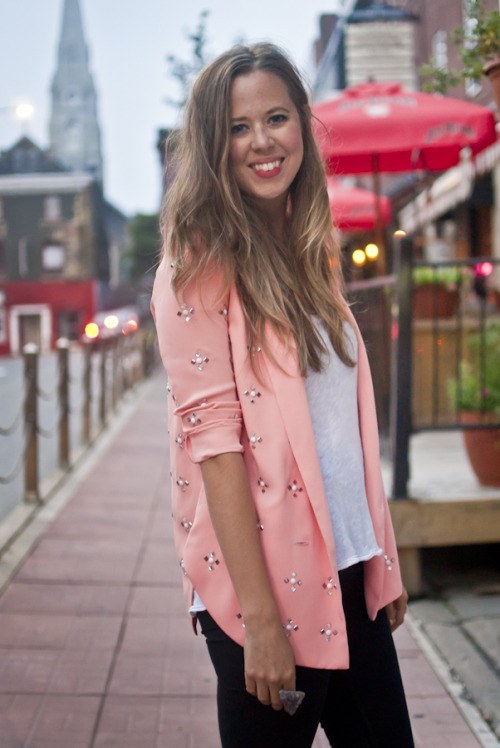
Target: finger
398 618
251 686
276 702
263 694
288 684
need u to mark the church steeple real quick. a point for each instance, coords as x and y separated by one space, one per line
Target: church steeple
75 138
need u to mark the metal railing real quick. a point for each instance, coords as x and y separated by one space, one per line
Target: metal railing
426 362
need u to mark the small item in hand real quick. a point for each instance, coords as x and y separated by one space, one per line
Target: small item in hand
291 700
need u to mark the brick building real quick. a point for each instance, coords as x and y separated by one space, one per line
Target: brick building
61 242
53 249
389 41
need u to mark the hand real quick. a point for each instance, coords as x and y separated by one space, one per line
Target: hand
396 610
269 664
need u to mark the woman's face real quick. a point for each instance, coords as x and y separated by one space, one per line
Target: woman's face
266 147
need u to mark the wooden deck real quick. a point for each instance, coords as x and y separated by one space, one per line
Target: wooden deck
447 505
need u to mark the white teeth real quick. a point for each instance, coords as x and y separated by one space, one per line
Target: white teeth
266 167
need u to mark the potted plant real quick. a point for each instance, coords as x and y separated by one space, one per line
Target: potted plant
475 395
479 48
435 291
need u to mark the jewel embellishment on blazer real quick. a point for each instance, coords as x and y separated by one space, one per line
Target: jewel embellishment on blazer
187 525
388 562
252 393
185 312
211 561
290 626
263 485
182 483
179 440
169 390
293 581
328 632
199 360
254 439
193 419
294 488
329 585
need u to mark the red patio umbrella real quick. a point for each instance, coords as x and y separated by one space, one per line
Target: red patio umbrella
355 209
381 127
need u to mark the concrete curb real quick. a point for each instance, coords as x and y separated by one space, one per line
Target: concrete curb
467 709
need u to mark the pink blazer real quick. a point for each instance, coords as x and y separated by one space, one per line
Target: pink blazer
217 405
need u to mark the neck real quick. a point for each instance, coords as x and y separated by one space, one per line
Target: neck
276 216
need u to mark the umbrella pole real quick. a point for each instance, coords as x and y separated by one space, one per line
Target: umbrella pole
379 227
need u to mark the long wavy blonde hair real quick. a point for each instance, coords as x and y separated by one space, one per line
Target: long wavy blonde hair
209 225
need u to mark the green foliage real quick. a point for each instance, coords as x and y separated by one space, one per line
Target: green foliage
144 245
185 71
475 389
478 44
426 274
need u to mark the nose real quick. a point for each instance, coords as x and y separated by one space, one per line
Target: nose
262 139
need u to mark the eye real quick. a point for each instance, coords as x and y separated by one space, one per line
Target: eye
237 129
277 119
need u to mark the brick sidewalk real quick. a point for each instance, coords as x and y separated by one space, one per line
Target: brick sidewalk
95 647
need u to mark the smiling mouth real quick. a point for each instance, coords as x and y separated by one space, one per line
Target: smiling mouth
269 166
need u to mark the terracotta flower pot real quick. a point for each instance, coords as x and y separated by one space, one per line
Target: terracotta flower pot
492 72
483 448
433 299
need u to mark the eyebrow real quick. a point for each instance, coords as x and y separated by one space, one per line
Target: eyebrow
267 114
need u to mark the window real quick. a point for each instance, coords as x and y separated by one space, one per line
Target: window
472 87
52 208
440 49
24 160
3 325
1 210
68 325
53 257
72 125
18 161
22 256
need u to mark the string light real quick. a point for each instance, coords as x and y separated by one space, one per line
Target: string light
484 268
358 257
371 251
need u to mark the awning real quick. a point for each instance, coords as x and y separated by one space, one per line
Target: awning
449 190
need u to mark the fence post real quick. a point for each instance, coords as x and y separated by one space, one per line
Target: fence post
63 361
139 360
87 389
31 488
102 399
400 407
114 345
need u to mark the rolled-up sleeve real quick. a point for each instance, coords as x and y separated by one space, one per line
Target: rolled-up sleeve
196 352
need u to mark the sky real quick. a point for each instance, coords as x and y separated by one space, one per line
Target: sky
128 41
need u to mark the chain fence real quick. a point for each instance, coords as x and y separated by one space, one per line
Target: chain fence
55 405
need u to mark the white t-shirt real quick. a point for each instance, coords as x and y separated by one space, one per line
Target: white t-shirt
333 405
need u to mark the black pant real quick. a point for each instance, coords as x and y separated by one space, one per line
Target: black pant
363 707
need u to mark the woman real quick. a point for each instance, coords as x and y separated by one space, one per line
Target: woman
282 527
